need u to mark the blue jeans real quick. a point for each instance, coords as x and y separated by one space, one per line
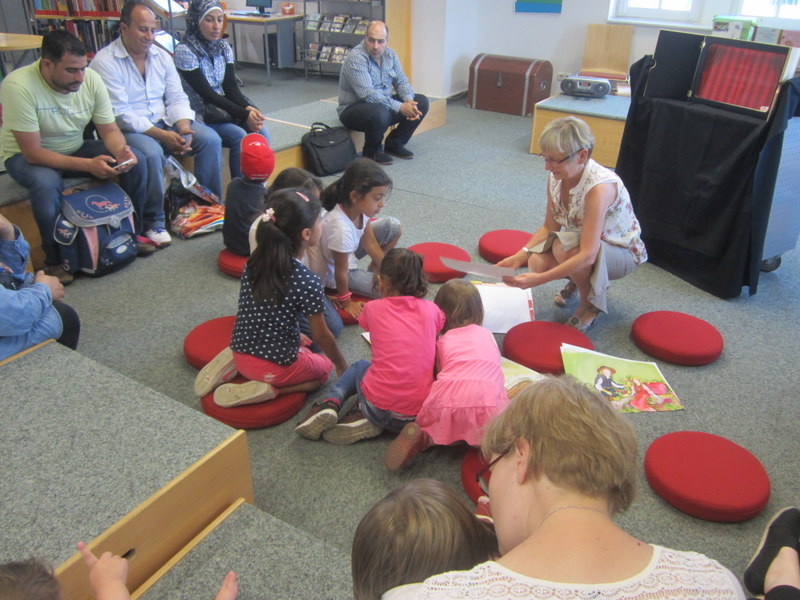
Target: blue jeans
206 149
46 185
350 383
332 320
231 135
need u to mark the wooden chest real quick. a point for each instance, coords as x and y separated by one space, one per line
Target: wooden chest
508 84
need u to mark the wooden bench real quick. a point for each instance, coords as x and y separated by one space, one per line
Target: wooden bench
286 127
16 207
145 477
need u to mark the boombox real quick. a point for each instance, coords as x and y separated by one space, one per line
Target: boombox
593 87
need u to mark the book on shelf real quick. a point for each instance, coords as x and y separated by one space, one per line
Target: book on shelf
50 8
351 25
325 53
361 28
336 27
340 19
337 54
313 21
325 25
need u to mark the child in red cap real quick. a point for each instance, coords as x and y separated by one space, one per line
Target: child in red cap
245 194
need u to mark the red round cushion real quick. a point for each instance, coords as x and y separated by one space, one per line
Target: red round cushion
537 344
230 263
255 416
346 318
207 340
470 465
496 245
431 260
677 337
707 476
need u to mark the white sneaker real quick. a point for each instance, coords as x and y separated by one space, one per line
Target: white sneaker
159 235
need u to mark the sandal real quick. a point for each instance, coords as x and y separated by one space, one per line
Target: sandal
567 296
576 321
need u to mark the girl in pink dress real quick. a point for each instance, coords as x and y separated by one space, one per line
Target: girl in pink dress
469 389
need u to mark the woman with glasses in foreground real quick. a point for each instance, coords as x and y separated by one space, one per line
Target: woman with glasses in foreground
563 463
590 235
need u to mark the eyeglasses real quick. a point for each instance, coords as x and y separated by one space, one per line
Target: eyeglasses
553 161
488 466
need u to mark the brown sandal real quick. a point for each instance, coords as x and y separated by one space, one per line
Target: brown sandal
567 296
576 321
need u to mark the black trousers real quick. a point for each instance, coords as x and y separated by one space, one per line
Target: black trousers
374 119
72 325
783 592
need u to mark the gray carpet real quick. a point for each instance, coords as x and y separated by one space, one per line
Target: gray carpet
471 176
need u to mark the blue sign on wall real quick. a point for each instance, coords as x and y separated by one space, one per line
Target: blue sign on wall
540 6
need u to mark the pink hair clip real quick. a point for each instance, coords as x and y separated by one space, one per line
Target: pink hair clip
303 196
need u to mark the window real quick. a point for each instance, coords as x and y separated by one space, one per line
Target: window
785 9
698 13
656 10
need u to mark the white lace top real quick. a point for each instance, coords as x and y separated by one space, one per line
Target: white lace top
671 575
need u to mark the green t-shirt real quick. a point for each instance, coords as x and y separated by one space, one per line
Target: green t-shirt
29 104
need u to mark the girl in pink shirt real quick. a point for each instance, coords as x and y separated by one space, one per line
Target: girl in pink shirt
403 327
470 387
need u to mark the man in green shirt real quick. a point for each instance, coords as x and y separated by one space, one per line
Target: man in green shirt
46 107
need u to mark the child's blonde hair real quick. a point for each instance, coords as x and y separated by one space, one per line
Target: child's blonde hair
30 579
421 529
461 304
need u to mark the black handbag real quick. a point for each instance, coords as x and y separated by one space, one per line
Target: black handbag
328 150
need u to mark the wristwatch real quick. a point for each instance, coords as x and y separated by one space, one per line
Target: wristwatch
528 250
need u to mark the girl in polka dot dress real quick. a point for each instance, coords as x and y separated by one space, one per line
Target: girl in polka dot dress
277 288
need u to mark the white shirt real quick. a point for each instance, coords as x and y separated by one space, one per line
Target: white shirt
138 102
339 234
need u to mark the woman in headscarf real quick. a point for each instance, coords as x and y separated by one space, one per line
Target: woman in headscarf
205 62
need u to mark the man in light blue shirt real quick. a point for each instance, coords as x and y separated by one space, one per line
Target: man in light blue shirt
149 103
375 94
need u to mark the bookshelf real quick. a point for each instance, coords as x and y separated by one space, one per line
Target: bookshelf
332 27
94 21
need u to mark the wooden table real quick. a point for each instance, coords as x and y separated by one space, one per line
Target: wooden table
284 24
605 116
11 42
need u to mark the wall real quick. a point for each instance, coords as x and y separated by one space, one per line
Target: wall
447 34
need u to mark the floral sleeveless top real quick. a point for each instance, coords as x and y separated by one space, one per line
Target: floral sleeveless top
621 227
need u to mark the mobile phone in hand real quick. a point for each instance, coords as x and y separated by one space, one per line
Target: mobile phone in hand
124 163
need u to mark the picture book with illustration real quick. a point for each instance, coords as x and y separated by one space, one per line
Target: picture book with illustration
629 385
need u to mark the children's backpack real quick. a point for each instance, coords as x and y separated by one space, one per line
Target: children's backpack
95 230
